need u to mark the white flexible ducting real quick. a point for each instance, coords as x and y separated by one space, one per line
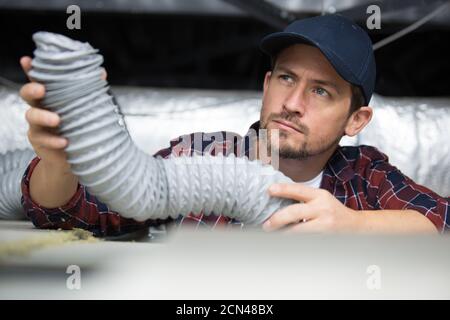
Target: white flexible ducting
12 168
106 161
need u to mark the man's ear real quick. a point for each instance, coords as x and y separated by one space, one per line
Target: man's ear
266 81
358 120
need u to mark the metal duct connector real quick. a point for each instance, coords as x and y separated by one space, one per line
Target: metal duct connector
106 161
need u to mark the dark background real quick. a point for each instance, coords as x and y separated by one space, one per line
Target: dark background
214 52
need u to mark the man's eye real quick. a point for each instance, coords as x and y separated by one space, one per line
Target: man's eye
286 78
321 92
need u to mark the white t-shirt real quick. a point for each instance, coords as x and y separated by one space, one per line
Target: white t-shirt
314 182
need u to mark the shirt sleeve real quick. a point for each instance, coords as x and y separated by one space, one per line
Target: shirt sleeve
83 211
398 192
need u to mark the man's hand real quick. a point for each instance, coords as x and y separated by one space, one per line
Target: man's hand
43 124
52 184
319 211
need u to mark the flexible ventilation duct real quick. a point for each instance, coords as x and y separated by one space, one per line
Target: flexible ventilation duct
104 158
12 168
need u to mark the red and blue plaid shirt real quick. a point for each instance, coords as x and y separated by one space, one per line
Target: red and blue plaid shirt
360 177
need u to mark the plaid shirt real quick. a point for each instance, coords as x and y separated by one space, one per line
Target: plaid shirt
360 177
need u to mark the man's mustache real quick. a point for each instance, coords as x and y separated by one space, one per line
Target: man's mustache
290 118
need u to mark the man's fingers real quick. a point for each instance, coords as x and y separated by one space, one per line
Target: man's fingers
104 74
41 117
290 214
25 62
32 93
45 139
294 191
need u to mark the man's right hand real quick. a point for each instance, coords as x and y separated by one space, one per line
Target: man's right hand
42 132
52 184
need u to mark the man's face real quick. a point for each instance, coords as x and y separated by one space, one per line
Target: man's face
307 101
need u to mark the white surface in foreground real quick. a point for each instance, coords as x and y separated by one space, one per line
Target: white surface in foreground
233 265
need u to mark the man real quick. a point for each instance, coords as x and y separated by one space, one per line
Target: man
318 90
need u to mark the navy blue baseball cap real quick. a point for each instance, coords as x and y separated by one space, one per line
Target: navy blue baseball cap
346 46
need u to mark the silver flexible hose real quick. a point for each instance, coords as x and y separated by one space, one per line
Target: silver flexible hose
12 168
132 183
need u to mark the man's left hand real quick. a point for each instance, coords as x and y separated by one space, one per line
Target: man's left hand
318 211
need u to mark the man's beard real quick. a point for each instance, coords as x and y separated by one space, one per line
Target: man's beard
301 152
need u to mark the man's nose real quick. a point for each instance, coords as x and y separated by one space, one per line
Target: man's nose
296 100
